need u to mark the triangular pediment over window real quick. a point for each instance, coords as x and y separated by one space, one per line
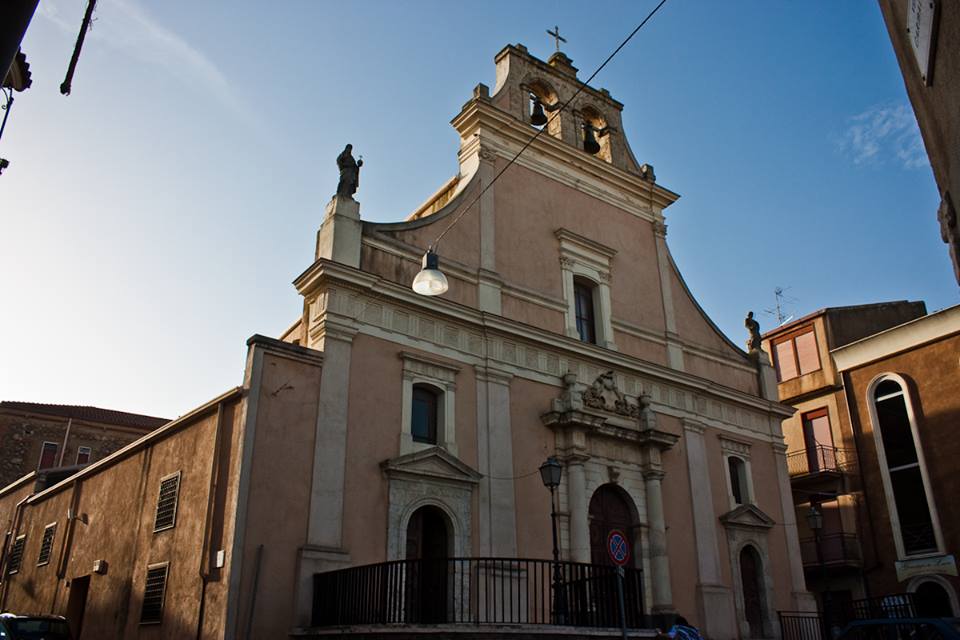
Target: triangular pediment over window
747 516
436 463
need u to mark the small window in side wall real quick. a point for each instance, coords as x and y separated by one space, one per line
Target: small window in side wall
167 499
153 593
738 480
46 545
425 409
796 354
16 554
583 306
83 455
48 456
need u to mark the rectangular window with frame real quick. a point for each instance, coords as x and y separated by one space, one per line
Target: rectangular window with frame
48 455
153 593
168 495
46 545
16 553
818 441
83 455
796 354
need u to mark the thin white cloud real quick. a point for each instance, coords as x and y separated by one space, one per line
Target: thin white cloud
882 133
127 26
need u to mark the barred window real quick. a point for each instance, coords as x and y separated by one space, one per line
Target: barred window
46 545
156 587
16 554
167 503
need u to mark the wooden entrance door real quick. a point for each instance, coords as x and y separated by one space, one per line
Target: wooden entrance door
610 509
751 580
428 544
77 604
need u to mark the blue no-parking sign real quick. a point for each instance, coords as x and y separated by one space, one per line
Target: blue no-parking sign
618 548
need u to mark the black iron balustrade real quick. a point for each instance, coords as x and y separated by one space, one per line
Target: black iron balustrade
819 459
477 591
817 625
834 549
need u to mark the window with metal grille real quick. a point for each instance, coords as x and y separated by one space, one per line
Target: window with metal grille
46 545
153 593
16 554
167 503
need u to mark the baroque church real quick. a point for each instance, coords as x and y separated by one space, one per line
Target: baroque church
462 459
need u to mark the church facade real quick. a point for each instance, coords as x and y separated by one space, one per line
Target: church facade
386 433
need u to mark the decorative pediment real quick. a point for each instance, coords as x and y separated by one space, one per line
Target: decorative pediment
747 516
433 463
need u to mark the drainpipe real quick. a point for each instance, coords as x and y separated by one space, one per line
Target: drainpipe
66 437
204 568
67 541
855 427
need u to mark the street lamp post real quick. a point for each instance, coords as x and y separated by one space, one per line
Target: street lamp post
815 522
550 473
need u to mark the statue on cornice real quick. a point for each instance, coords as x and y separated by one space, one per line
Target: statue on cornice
753 327
349 172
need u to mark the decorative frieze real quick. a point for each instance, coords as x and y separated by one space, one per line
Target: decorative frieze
530 360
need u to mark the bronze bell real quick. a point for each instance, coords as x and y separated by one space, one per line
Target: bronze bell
538 118
590 144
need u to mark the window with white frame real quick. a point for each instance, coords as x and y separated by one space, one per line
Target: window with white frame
428 394
46 544
585 267
167 499
909 500
83 455
736 462
48 455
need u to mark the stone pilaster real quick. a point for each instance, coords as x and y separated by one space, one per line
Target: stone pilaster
674 345
803 600
714 600
657 533
497 520
578 508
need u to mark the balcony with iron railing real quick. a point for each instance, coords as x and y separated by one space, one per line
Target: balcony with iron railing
831 550
819 462
478 595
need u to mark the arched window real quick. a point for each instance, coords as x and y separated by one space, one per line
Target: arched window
584 308
738 480
424 418
901 461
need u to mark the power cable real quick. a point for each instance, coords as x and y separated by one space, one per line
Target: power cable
556 114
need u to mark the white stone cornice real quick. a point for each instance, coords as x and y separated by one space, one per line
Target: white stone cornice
466 334
693 426
736 447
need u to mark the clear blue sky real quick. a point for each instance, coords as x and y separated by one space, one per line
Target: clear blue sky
154 219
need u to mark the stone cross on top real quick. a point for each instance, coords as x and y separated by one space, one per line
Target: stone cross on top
556 36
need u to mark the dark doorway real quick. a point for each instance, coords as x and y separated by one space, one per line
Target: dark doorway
751 577
427 550
932 601
611 508
77 604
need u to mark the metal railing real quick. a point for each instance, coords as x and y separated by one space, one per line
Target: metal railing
834 549
819 459
820 625
477 591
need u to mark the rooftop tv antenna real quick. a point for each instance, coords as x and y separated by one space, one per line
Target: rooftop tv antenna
780 311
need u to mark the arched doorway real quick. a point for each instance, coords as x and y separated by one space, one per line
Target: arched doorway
611 508
932 600
751 580
428 548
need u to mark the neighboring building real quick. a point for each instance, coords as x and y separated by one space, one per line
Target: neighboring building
34 437
843 559
381 462
903 389
926 38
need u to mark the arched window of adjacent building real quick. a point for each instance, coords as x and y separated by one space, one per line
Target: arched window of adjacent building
583 298
425 413
738 480
901 461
